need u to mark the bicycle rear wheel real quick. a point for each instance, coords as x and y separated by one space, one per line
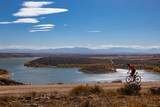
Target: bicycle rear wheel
138 79
128 79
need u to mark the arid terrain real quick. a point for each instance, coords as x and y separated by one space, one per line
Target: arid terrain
146 94
64 88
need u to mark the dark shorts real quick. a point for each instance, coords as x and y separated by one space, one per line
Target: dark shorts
133 72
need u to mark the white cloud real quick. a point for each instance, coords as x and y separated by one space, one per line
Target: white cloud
95 31
5 22
29 12
34 9
32 47
90 47
65 25
42 27
26 20
39 30
23 20
45 25
123 46
33 4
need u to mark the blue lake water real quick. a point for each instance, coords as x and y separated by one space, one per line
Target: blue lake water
31 75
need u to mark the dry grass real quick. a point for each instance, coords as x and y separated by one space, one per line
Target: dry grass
86 90
117 81
78 97
155 90
110 93
130 89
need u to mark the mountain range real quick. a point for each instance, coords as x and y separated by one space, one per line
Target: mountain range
78 50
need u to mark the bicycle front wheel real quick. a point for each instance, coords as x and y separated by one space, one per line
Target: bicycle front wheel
128 79
138 79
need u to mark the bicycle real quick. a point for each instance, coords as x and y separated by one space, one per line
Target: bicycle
130 78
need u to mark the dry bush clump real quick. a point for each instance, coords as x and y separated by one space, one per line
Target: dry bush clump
87 103
130 89
86 90
117 81
155 90
7 98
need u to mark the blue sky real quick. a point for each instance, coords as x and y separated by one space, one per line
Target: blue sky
96 24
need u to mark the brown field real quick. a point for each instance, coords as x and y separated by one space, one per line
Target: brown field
103 95
64 88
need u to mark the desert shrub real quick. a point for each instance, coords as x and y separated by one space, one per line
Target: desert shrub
130 89
34 94
87 104
60 83
86 90
7 98
110 93
117 81
96 89
155 90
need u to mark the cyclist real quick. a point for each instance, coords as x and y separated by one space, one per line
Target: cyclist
133 70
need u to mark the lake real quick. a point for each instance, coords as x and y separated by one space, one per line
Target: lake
31 75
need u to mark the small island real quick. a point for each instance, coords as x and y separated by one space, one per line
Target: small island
86 65
91 65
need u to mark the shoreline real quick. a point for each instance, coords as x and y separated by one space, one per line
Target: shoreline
152 71
6 75
88 72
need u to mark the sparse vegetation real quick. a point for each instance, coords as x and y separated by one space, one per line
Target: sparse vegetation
54 61
117 81
130 89
86 90
155 90
94 98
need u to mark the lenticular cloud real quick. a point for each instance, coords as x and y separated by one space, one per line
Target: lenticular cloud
23 20
34 9
33 4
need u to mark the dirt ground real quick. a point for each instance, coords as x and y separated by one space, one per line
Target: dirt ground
64 88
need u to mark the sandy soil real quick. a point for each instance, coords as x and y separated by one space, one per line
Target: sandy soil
64 88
